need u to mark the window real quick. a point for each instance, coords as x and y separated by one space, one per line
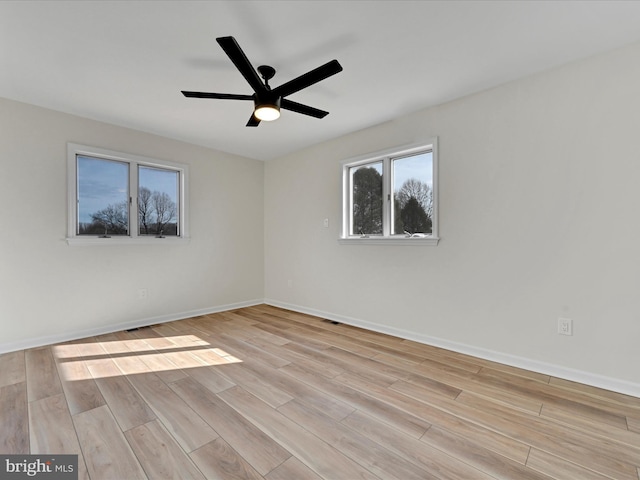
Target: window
158 194
390 197
120 198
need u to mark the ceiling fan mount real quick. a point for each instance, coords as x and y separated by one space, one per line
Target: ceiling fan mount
268 101
267 73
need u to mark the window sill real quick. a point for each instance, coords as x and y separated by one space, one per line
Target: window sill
425 241
124 240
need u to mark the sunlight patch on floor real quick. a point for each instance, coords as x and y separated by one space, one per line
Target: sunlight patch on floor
112 358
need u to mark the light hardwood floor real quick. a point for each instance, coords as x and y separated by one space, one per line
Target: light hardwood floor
265 393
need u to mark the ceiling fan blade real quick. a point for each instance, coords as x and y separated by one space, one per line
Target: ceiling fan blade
304 109
240 60
224 96
309 78
253 121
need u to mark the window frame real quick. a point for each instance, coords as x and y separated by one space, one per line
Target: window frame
387 157
133 161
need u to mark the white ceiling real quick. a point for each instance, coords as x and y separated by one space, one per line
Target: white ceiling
125 62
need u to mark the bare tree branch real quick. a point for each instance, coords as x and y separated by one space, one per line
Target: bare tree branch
165 209
114 218
144 209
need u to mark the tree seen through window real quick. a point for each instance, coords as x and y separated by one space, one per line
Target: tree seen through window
104 203
411 198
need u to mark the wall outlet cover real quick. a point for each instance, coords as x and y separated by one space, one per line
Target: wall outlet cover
565 326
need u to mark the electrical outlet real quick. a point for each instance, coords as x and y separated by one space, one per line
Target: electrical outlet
326 223
289 283
143 293
565 326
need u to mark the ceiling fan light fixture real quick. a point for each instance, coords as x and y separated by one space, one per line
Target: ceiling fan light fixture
268 111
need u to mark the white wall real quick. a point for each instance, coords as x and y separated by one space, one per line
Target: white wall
50 290
539 219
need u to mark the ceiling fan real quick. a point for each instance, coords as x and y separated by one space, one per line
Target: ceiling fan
268 102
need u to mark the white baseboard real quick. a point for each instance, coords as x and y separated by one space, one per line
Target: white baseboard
117 327
580 376
596 380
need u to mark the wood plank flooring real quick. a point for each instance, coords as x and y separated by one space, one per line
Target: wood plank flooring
266 393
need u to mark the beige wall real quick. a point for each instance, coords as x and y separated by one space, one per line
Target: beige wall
50 290
539 219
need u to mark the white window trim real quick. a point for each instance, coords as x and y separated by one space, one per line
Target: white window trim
74 149
385 156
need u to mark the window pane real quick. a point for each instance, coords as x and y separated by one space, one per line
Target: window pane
366 204
413 194
158 194
103 197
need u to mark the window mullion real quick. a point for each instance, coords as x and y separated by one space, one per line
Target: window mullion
386 196
133 200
